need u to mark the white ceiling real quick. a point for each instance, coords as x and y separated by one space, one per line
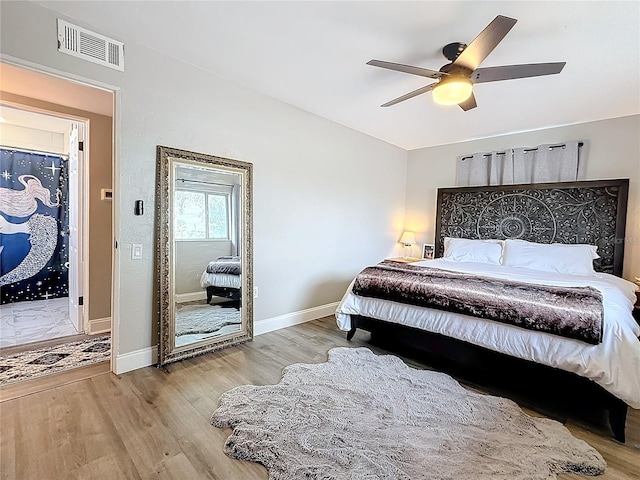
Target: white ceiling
312 55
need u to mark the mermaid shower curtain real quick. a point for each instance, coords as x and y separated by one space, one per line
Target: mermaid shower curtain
34 243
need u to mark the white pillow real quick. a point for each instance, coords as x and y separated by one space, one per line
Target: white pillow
466 250
555 257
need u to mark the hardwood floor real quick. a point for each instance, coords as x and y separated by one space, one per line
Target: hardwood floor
29 387
154 423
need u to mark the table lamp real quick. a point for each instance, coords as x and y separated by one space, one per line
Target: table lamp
408 239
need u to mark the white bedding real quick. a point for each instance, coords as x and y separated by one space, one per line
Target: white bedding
614 364
219 280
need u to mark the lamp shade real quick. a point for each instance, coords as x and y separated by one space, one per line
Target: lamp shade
452 90
408 238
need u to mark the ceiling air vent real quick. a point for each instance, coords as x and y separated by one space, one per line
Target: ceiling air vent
91 46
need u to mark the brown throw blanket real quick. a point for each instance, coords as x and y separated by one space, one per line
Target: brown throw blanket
230 265
572 312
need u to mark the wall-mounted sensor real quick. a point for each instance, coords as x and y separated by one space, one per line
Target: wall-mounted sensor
106 194
139 210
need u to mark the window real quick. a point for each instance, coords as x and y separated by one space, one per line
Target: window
218 216
201 215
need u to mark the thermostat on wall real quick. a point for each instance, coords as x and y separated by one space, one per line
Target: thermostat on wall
106 194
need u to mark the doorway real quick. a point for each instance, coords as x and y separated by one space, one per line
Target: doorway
41 235
88 236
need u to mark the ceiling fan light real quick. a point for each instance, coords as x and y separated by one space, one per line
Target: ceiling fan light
452 90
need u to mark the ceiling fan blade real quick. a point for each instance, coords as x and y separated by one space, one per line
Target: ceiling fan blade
415 93
508 72
483 44
423 72
469 103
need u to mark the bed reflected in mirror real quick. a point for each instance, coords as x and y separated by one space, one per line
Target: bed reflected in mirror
204 233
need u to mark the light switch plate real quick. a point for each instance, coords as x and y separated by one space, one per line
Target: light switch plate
106 194
136 251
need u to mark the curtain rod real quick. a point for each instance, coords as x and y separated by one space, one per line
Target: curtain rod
202 181
525 150
64 156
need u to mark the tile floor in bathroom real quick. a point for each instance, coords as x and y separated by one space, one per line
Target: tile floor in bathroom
27 322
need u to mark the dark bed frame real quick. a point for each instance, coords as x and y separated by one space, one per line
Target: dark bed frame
592 212
225 292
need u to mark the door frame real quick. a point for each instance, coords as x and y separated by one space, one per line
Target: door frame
115 257
82 164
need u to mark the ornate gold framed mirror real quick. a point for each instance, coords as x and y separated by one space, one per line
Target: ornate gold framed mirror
205 265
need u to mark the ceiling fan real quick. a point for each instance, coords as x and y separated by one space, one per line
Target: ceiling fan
456 79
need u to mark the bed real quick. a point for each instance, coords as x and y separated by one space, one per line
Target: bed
223 278
515 236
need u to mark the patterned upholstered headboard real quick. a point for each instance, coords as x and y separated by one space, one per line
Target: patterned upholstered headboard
592 212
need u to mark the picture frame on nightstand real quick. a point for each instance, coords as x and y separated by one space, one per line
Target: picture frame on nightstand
428 250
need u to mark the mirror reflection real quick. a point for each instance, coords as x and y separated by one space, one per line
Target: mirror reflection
208 266
204 255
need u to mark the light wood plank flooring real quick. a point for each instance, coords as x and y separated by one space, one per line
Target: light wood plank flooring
28 387
154 423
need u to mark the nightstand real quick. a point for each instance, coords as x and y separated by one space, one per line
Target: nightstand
636 307
404 259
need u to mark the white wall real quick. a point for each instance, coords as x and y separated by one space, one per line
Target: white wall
31 138
327 200
613 152
192 257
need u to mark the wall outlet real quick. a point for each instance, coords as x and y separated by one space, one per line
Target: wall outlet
255 292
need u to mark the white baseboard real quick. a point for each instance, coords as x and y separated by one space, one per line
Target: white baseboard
149 356
294 318
191 297
136 359
99 325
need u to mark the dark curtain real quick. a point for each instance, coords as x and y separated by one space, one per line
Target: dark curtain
34 242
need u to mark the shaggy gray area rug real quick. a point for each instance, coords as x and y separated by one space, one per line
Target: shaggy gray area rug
364 416
193 319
